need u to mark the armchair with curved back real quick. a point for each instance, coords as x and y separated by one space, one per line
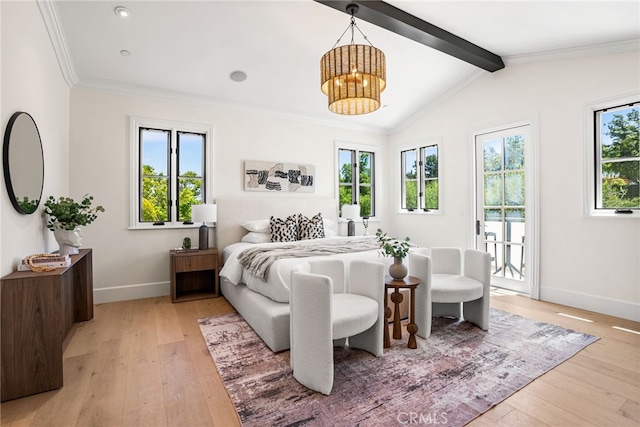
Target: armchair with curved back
448 289
326 310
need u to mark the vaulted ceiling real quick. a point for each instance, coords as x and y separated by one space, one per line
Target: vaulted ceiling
186 50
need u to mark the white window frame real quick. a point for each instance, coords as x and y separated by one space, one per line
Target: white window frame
358 147
174 126
418 146
591 165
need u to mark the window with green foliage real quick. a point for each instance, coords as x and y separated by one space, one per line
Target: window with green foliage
617 158
171 166
420 178
356 179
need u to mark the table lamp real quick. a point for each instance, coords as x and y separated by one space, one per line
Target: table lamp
204 213
350 212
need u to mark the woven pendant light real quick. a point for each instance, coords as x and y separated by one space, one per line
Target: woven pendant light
353 76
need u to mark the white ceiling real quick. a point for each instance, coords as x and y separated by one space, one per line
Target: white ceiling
187 49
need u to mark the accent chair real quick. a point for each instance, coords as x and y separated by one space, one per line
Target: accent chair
449 290
324 315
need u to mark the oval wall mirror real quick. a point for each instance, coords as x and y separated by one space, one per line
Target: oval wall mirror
23 162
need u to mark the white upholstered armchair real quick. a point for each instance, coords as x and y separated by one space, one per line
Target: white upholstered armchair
324 315
448 289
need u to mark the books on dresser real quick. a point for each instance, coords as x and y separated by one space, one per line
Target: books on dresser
58 261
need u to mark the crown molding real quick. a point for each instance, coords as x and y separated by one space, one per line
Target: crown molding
209 102
51 20
53 25
624 46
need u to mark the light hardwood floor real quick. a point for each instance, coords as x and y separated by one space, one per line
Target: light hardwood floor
144 362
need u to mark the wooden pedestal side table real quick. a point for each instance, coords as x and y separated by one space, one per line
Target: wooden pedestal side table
194 274
410 283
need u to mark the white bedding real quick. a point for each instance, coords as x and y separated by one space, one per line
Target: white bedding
276 286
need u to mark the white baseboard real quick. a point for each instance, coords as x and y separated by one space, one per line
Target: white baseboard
128 292
612 307
598 304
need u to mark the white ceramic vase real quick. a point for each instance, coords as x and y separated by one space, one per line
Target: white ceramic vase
69 240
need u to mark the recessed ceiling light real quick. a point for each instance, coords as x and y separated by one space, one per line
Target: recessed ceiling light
125 52
238 76
122 12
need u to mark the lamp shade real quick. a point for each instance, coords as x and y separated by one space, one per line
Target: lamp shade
352 77
204 213
350 211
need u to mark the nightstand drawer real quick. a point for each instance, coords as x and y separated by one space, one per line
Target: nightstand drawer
195 263
194 275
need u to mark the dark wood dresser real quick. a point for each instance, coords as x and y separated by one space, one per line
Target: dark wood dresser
38 310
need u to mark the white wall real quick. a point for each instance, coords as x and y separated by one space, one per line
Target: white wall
134 263
32 82
587 262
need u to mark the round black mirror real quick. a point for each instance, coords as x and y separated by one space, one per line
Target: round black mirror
23 163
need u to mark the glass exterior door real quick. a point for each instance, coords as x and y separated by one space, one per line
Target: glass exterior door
501 213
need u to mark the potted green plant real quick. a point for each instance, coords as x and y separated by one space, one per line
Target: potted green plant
398 249
186 243
66 216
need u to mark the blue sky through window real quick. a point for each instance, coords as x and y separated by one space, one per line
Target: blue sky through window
155 151
191 153
606 118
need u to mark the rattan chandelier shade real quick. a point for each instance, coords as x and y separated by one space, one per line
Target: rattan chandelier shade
352 77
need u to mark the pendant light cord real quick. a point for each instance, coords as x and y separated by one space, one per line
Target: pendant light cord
351 26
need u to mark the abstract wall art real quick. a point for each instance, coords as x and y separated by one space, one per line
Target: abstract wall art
279 177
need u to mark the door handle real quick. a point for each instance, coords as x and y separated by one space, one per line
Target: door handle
478 227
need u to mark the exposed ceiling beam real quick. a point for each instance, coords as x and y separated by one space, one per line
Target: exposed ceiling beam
400 22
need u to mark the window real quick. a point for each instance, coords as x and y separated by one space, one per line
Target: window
617 158
419 181
170 165
356 178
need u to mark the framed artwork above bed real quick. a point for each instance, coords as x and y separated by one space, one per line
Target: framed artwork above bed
279 177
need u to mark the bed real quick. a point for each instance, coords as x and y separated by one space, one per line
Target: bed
265 307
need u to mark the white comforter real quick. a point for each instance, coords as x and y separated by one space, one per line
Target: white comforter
276 285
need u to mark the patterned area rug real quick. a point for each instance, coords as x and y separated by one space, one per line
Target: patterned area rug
451 378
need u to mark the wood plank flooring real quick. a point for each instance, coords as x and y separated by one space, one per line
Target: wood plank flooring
144 362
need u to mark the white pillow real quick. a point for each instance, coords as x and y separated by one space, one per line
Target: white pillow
255 237
264 226
329 233
258 225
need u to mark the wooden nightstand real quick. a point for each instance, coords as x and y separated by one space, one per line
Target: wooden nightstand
194 274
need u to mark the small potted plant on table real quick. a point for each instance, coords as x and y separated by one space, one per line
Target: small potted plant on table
398 249
66 216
